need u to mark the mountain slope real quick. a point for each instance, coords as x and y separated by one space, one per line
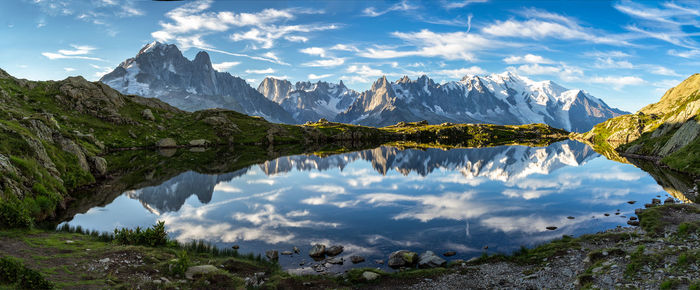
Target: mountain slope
161 71
308 101
668 129
498 98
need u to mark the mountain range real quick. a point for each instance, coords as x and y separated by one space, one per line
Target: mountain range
161 71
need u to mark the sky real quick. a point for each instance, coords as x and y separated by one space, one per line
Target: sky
627 53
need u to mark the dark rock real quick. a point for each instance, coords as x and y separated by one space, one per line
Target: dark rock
318 250
633 223
655 201
633 218
336 261
669 200
570 217
449 253
402 258
236 247
551 228
272 255
632 202
334 250
606 214
356 259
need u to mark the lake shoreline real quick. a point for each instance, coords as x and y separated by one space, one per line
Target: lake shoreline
667 237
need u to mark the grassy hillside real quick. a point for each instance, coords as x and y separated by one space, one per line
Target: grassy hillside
668 129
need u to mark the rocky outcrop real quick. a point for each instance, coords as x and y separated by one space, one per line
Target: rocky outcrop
668 129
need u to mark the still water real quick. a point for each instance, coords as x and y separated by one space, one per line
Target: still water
377 201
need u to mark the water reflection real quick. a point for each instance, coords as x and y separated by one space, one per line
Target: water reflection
375 201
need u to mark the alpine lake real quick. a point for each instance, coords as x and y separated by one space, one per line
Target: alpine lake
376 201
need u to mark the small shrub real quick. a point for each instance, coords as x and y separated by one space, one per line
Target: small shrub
14 215
15 273
153 237
180 264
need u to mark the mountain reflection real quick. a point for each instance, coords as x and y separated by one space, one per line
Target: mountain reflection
504 163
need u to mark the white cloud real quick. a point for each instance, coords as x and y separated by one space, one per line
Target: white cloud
264 28
403 6
617 82
528 58
461 72
68 69
461 4
78 52
314 51
667 23
344 47
536 69
364 71
449 45
316 77
664 71
269 70
608 62
223 66
541 25
335 61
685 54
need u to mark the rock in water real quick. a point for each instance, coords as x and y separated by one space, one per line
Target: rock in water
272 255
334 250
370 276
449 253
669 200
430 260
318 250
337 261
357 259
402 258
551 228
166 142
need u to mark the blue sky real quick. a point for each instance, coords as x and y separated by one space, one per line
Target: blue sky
627 53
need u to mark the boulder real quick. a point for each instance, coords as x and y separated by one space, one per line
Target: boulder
272 255
99 164
356 259
430 260
148 115
166 143
655 201
370 276
318 250
334 250
669 200
199 142
203 269
286 253
336 261
551 228
402 258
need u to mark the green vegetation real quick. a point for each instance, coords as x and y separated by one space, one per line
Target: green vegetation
15 274
667 130
152 237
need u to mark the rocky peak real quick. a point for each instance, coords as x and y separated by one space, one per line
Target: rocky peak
275 89
202 60
404 80
380 83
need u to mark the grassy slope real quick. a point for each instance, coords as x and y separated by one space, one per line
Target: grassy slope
650 129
